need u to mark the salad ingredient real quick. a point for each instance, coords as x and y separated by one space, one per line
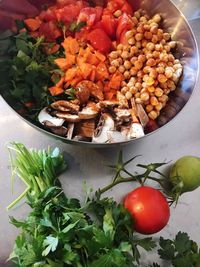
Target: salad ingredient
57 230
149 209
185 174
182 251
99 40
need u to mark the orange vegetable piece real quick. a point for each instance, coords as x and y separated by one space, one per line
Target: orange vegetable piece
110 95
70 74
60 83
65 63
93 74
52 50
54 90
91 58
102 72
100 85
71 45
115 81
32 24
86 69
100 56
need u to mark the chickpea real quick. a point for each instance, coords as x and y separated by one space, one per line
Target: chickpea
123 84
144 43
143 19
169 72
158 47
140 75
153 114
162 78
166 36
148 35
134 50
133 59
138 64
172 44
167 48
149 108
125 54
133 71
128 95
142 58
159 106
154 29
137 95
135 21
140 29
115 63
118 13
137 14
147 69
124 90
138 86
158 92
131 41
138 100
150 81
146 27
153 73
127 64
114 55
129 34
138 36
112 69
120 47
121 69
151 62
151 89
164 98
157 18
144 96
154 39
156 54
127 74
160 69
153 100
150 46
171 58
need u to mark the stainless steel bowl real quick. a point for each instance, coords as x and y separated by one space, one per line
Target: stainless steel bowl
175 23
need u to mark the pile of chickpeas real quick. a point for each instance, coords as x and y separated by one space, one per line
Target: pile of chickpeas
149 67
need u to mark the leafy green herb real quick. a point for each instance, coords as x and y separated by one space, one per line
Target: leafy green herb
181 252
74 27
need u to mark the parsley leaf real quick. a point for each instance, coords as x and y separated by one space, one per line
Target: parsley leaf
51 244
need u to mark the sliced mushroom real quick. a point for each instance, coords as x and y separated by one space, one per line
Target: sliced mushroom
108 103
136 131
85 128
66 106
89 112
59 130
70 127
143 117
106 133
68 117
92 88
122 114
44 117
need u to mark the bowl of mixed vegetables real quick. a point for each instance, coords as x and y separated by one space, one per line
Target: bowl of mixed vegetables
96 72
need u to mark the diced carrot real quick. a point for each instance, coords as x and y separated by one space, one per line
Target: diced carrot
61 63
93 74
102 72
76 80
85 70
115 81
80 60
32 24
110 95
54 90
60 83
52 50
100 84
81 51
71 45
91 59
70 74
100 56
71 59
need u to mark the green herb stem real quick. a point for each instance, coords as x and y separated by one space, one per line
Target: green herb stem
10 206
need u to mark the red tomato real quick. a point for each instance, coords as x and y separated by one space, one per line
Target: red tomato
91 15
100 40
109 24
68 14
123 40
48 15
50 31
149 209
123 5
124 24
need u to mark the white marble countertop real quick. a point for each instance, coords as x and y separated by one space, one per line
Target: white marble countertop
179 137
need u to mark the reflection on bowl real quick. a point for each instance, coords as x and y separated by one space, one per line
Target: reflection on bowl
187 52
